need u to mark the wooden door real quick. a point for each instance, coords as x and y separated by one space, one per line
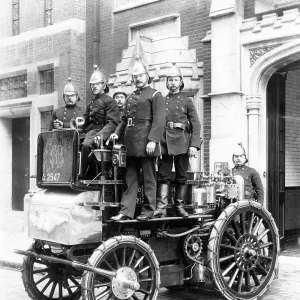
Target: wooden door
276 149
20 161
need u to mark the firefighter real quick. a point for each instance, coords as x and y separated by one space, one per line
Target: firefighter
62 116
254 189
181 140
100 118
120 97
142 125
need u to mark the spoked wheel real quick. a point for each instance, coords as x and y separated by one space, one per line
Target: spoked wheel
45 280
134 264
243 251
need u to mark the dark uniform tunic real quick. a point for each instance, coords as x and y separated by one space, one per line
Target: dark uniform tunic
143 121
101 118
65 115
182 132
253 186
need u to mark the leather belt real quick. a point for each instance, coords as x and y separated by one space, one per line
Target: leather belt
132 122
171 125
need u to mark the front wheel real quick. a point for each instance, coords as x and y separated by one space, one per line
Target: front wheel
243 251
133 261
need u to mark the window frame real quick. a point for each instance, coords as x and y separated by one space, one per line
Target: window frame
48 9
46 82
15 17
14 85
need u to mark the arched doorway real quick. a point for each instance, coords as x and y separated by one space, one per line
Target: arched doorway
276 77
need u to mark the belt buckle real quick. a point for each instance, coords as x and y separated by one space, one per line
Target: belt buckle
129 122
171 125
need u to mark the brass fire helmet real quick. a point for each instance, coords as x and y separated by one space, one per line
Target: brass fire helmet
174 72
98 77
239 150
140 68
119 90
70 89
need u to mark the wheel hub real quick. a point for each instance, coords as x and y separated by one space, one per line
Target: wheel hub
247 248
125 283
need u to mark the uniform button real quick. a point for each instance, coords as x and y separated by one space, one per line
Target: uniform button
91 106
176 115
65 108
133 117
167 109
64 118
167 97
128 104
135 103
177 101
167 103
127 111
64 113
97 105
134 110
176 107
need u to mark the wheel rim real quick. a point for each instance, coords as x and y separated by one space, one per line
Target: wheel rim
48 280
133 261
243 251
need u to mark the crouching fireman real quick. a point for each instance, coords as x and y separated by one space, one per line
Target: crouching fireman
62 116
181 140
254 189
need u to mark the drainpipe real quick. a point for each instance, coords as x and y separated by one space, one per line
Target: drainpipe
96 39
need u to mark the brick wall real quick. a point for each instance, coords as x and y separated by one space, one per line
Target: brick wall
292 138
195 22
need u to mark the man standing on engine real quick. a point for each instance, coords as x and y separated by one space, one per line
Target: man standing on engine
62 116
101 118
120 97
142 125
181 140
254 189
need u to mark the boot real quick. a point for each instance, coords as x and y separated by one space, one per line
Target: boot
178 201
161 200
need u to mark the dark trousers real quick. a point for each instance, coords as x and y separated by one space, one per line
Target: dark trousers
86 147
165 164
128 201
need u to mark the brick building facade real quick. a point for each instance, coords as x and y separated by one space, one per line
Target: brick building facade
41 45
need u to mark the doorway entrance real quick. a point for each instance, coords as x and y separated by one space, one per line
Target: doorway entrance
20 161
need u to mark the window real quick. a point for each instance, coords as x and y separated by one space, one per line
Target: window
47 81
48 12
16 17
45 120
13 87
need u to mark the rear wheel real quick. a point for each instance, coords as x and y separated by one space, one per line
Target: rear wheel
243 251
44 280
132 260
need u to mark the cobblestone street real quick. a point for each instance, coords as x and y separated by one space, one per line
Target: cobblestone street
287 286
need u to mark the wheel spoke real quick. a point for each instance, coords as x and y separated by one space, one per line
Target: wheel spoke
265 257
250 225
228 269
233 277
265 245
42 279
243 222
145 280
131 257
254 276
108 264
46 286
53 289
67 286
240 282
231 237
228 247
144 291
143 269
257 226
262 234
116 260
74 281
41 270
247 280
261 268
60 290
236 229
225 258
103 293
134 297
123 257
138 262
